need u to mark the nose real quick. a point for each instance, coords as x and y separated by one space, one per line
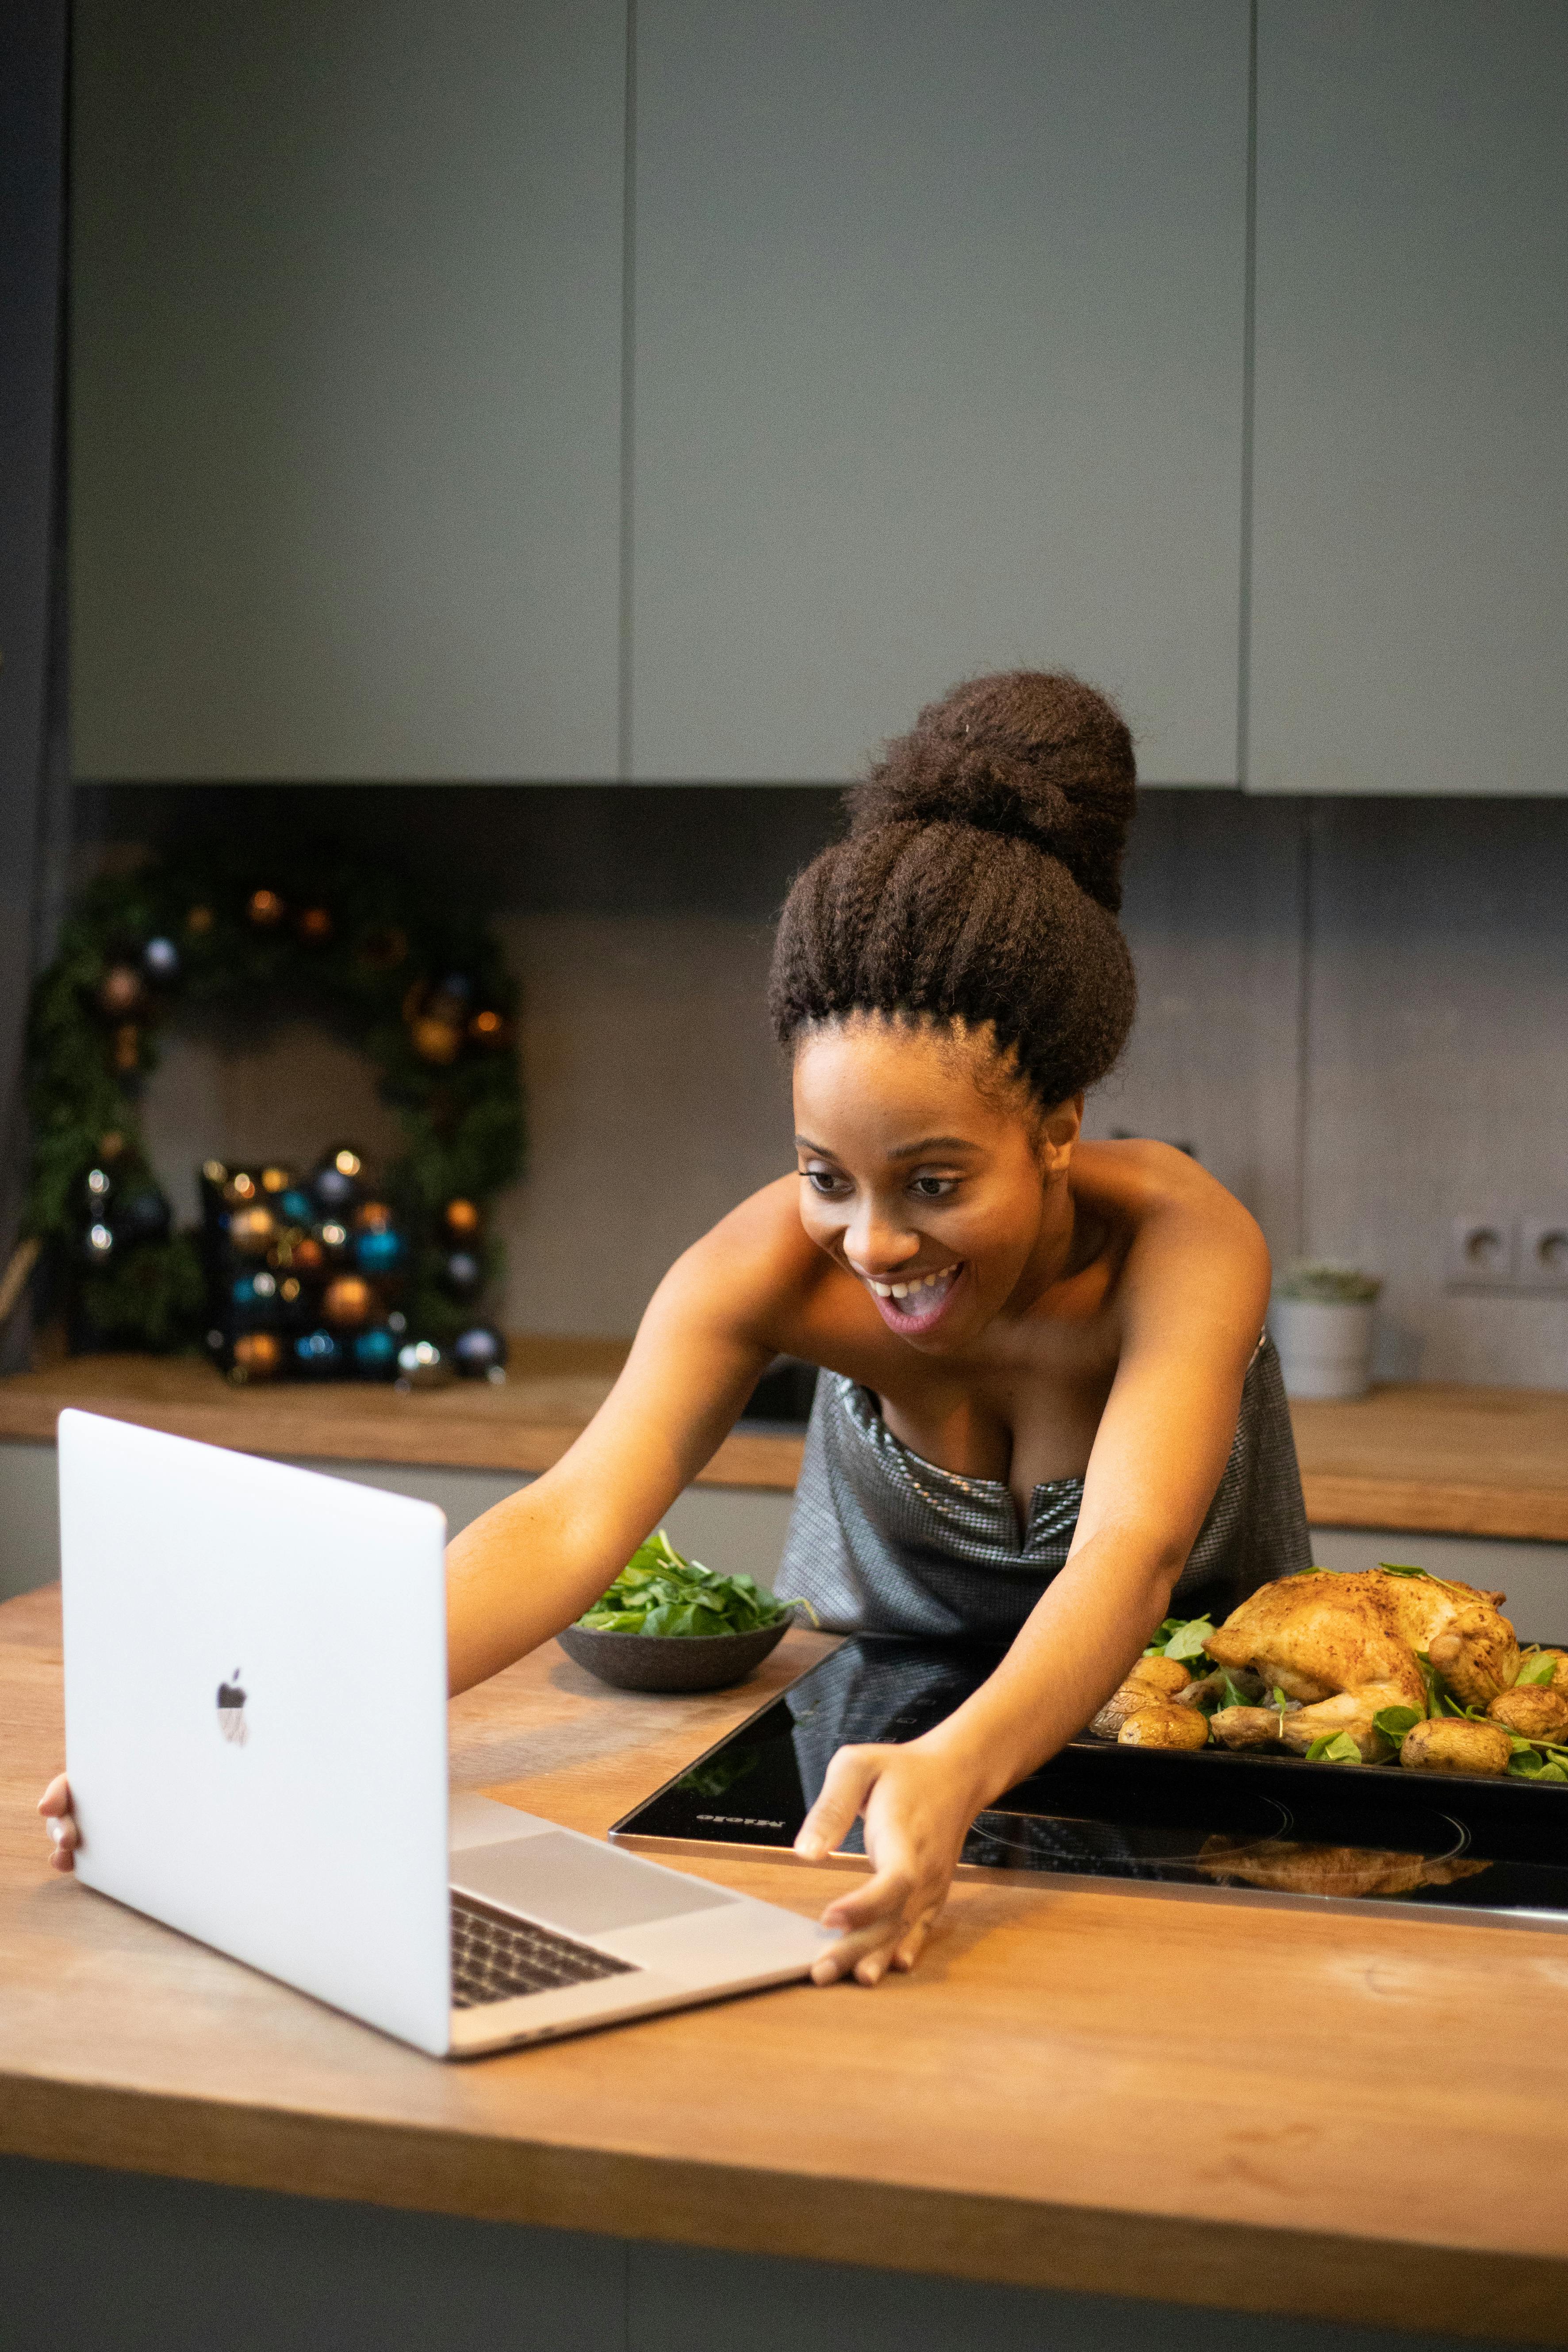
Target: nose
877 1247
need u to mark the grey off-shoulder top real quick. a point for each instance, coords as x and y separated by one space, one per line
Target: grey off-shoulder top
882 1542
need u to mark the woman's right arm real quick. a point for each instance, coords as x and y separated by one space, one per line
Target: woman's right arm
530 1565
536 1561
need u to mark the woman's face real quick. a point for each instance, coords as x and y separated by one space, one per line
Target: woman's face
944 1199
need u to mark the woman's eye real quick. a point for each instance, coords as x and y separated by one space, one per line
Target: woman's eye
823 1180
932 1188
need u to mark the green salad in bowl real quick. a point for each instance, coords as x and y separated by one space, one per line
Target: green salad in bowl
670 1623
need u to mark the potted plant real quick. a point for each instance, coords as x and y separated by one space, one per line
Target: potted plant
1321 1317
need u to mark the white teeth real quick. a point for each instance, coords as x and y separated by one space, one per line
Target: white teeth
883 1289
901 1289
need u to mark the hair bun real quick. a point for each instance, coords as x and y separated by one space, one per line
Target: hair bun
1035 755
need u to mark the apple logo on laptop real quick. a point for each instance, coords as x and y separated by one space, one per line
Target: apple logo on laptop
231 1709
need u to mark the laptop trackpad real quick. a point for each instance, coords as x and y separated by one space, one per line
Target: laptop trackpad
574 1884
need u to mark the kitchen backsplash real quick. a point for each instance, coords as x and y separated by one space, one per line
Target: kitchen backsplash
1352 1010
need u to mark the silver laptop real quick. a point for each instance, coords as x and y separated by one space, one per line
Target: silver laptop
255 1734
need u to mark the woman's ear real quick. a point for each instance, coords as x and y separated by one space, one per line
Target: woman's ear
1059 1131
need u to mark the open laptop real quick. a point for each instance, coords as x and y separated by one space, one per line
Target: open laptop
255 1734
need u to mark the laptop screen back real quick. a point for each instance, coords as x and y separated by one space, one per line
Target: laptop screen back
256 1713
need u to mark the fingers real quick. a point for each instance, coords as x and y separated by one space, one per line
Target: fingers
54 1805
849 1779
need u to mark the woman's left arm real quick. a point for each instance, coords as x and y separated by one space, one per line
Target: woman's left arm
1192 1294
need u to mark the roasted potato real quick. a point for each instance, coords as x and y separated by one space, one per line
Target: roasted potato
1534 1710
1164 1726
1167 1676
1245 1726
1152 1682
1452 1743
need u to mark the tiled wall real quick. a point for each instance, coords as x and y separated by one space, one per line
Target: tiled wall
1355 1012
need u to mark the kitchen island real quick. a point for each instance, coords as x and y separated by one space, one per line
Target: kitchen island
1098 2118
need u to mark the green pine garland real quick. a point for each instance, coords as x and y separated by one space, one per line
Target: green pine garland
313 932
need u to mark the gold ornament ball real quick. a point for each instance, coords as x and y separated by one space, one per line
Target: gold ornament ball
462 1218
264 908
307 1256
349 1300
436 1040
240 1187
372 1217
489 1029
258 1356
252 1231
314 927
276 1179
119 990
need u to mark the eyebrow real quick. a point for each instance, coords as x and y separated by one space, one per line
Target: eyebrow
924 1149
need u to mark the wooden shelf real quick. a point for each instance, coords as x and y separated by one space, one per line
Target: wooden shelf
1450 1460
554 1388
1455 1461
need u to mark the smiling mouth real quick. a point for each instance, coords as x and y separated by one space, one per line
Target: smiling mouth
917 1298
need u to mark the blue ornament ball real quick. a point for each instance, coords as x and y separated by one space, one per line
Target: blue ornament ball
296 1207
380 1253
463 1273
332 1188
318 1355
375 1355
161 960
479 1352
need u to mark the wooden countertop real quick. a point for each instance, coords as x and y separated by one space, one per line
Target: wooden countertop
1341 2117
555 1387
1458 1461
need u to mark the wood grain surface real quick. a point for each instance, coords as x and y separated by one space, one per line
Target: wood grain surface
1455 1461
554 1388
1347 2117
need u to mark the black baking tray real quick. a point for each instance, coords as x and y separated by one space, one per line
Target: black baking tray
1210 1820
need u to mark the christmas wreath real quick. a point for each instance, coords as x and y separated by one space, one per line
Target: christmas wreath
428 1000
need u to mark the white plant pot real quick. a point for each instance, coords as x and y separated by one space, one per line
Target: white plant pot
1325 1345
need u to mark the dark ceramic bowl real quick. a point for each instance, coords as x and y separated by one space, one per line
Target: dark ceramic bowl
672 1662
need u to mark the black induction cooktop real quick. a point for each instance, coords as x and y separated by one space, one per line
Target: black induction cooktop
1211 1824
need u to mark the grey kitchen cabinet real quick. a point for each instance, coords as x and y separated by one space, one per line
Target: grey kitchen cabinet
345 428
938 367
1409 606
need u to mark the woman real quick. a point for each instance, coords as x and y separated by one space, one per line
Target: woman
1046 1408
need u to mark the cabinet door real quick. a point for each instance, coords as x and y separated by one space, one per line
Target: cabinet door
1410 582
938 368
346 424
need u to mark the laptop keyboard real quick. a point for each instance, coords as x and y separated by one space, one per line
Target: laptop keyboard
496 1956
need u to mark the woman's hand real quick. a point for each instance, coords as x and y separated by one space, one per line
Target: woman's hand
54 1805
918 1804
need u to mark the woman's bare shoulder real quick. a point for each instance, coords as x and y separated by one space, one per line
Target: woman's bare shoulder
1182 1226
1140 1180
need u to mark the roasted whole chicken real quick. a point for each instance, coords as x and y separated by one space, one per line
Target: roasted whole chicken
1345 1646
1318 1657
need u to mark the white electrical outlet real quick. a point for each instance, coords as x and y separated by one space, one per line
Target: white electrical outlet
1483 1253
1543 1260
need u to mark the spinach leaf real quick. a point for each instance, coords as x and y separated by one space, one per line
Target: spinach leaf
1393 1722
1187 1641
1536 1671
1333 1747
658 1592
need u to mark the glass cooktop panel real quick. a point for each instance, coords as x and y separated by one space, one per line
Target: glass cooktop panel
1211 1821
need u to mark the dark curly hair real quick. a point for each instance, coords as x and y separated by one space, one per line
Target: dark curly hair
980 884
